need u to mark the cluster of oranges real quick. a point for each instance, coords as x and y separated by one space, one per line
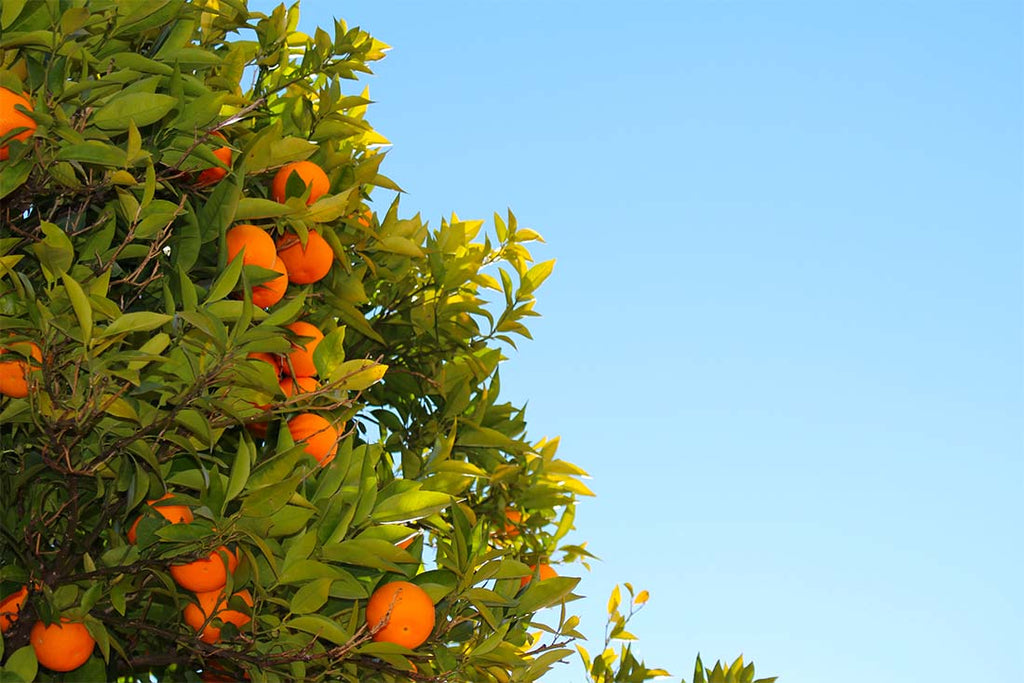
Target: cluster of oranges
206 577
513 520
296 261
296 374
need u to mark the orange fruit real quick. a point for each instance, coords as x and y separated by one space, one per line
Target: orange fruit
11 118
10 606
306 264
515 518
267 358
209 573
311 174
545 572
175 514
407 542
14 373
255 243
402 613
61 647
318 436
300 361
298 385
213 604
214 174
270 292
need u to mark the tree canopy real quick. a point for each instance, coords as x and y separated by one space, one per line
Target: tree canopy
252 424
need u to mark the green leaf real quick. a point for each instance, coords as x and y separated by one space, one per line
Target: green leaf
252 208
412 505
319 626
13 176
541 594
330 352
354 375
139 108
226 281
141 321
9 11
54 251
239 470
94 152
22 662
80 303
310 597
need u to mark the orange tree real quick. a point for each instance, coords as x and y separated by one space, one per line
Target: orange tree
239 403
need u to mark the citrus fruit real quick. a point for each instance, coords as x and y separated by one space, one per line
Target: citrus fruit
11 118
402 613
300 361
298 385
270 292
208 573
312 176
14 373
306 264
214 174
10 606
318 436
514 519
213 604
61 647
256 245
545 572
175 514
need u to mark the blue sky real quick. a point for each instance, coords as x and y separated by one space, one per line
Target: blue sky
784 333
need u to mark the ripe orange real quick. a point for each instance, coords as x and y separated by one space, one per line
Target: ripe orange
545 572
213 604
257 244
205 574
306 264
11 118
515 518
270 292
14 373
402 613
317 434
267 358
298 385
175 514
300 361
61 647
311 174
10 606
214 174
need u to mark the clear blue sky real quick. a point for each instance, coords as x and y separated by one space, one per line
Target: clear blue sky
785 330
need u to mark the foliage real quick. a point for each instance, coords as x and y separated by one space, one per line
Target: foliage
733 673
114 262
604 668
